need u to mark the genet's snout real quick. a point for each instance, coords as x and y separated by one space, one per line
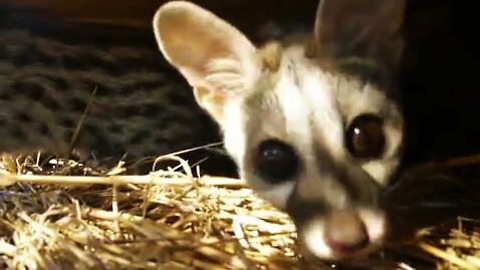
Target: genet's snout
345 233
342 234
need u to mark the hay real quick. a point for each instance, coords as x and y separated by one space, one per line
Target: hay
51 219
163 220
457 248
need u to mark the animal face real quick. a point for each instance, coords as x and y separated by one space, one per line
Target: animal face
312 124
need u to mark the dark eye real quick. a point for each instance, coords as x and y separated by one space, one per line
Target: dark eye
276 161
364 137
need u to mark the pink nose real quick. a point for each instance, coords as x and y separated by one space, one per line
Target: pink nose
345 233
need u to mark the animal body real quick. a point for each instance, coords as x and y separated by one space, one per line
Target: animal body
313 123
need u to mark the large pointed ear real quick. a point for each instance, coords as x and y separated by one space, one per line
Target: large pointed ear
370 28
216 59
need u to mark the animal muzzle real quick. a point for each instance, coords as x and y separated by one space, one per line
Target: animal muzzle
331 233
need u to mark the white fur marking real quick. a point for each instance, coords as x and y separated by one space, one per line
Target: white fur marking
374 223
296 113
376 169
279 194
234 131
313 235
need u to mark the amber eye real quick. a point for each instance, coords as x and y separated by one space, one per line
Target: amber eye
364 137
276 161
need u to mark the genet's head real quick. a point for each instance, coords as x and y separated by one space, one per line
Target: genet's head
313 125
